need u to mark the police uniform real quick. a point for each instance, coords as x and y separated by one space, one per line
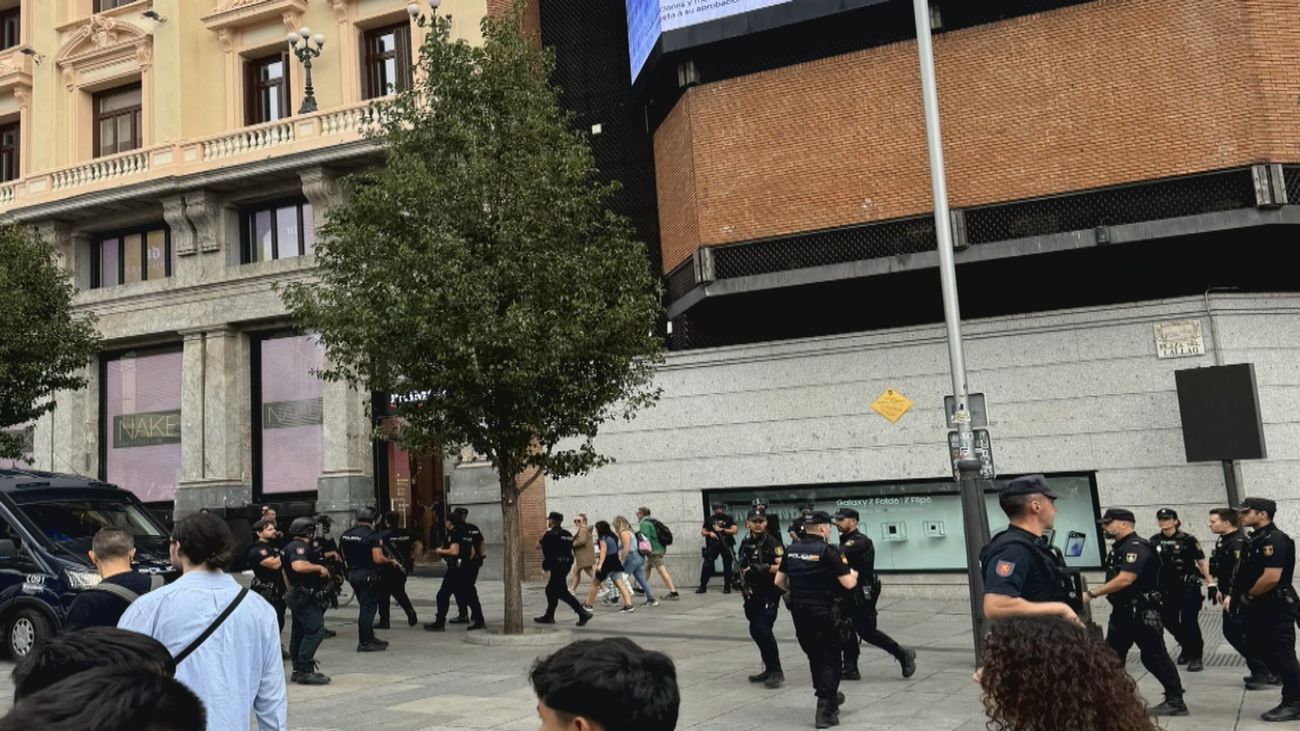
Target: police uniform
859 603
762 599
268 583
307 599
357 545
1135 610
721 546
462 572
328 551
1270 618
397 543
812 568
557 559
1180 589
1227 554
773 520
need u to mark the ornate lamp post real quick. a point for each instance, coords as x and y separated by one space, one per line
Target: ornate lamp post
306 47
420 19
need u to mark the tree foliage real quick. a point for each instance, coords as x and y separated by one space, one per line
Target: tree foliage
43 345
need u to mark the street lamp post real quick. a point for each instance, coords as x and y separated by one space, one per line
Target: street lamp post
306 47
974 513
424 21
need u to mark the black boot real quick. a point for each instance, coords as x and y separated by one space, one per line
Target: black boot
436 626
1182 657
850 671
1288 711
1262 682
759 677
1195 665
585 617
1171 706
825 717
908 661
460 620
412 619
544 619
775 679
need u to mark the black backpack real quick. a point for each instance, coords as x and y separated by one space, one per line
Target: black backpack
661 531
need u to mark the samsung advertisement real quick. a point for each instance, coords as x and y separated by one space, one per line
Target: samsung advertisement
647 20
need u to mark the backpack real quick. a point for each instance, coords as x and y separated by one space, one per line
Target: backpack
643 546
665 536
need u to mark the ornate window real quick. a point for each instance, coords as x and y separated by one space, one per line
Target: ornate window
387 64
117 120
266 89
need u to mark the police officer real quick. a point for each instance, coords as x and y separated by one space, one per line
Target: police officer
464 554
1264 598
760 505
1228 550
796 525
759 559
307 598
815 572
1133 589
328 550
1182 568
557 558
268 576
396 542
364 553
1021 576
719 533
859 605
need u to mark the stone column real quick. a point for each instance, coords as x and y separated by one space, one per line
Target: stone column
347 481
214 427
67 439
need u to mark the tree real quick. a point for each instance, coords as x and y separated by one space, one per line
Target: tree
481 268
43 345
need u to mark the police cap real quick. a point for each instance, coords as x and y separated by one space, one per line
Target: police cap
1028 485
843 513
556 516
302 527
1117 514
756 515
1262 504
1166 514
818 517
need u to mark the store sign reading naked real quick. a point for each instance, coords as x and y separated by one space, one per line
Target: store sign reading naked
146 430
286 414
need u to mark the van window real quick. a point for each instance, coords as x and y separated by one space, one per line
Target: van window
77 521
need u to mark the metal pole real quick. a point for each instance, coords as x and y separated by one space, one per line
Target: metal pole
974 516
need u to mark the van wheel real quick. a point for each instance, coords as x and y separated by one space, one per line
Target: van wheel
26 630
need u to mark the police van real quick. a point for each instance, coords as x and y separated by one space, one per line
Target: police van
47 521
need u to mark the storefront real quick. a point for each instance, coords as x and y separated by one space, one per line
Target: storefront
140 422
287 416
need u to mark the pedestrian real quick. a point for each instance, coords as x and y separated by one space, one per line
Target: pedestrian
815 572
606 685
328 550
113 699
584 555
226 643
1021 577
268 572
469 577
611 567
655 532
1133 589
363 552
1182 568
463 555
1228 551
557 555
75 651
633 550
796 525
1046 673
719 533
398 544
860 603
1265 599
759 559
111 551
269 515
308 596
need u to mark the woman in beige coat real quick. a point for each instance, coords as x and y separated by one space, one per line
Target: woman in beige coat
583 556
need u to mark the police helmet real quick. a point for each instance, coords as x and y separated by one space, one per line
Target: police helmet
324 520
366 514
303 526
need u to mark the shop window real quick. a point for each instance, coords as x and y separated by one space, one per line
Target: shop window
10 27
387 60
140 423
267 89
117 120
10 137
917 526
277 231
134 255
287 414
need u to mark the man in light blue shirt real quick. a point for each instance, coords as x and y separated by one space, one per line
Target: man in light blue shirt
237 670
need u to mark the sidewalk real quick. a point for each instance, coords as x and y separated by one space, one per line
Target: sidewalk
437 682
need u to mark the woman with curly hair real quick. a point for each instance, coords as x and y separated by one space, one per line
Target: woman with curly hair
1094 693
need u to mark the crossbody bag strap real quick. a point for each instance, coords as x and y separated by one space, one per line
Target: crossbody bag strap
117 590
212 627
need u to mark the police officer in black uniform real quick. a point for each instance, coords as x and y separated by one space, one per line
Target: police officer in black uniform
796 525
759 505
719 533
364 553
859 603
815 572
1228 551
1133 589
759 559
307 598
464 554
1022 577
1182 568
396 542
1264 598
557 558
268 576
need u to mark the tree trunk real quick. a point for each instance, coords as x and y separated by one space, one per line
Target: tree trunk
512 562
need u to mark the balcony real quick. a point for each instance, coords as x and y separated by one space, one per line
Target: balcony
247 145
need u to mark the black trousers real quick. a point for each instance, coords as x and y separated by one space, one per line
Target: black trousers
365 582
1125 631
308 628
392 585
761 610
1180 611
1270 638
819 638
1234 631
706 569
864 618
459 583
277 603
557 590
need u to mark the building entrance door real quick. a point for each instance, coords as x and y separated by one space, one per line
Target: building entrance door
417 493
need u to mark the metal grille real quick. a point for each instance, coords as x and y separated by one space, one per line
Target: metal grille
680 280
1209 193
1291 175
835 246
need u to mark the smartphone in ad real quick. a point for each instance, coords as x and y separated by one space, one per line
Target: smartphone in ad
1074 544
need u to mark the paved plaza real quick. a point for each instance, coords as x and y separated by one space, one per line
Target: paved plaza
438 682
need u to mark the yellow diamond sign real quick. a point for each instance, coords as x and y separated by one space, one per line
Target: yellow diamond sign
892 405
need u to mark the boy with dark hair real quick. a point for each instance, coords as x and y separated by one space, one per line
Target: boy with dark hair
606 685
69 653
111 551
110 699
